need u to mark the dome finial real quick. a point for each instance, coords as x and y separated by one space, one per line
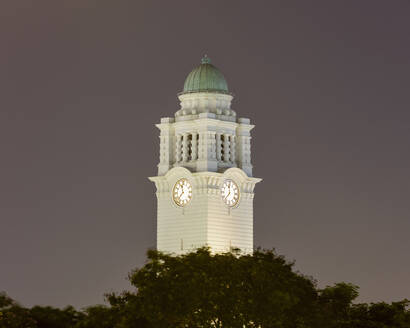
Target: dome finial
205 59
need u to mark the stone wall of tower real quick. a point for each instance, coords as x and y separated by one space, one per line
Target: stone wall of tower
180 229
230 227
206 220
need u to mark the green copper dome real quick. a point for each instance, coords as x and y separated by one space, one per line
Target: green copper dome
205 78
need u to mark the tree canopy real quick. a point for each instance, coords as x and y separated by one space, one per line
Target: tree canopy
230 290
223 290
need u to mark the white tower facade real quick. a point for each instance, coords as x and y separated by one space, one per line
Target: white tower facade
205 187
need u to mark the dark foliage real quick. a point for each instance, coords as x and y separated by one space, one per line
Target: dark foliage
229 290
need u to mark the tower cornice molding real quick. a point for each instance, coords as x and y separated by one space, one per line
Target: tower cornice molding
205 180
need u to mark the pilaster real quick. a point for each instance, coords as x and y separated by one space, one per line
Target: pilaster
166 152
243 133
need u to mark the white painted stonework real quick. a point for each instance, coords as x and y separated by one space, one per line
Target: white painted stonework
206 144
206 220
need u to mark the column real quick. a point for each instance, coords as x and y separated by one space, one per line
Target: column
233 148
201 145
194 148
178 148
226 148
248 150
185 147
213 145
218 147
162 149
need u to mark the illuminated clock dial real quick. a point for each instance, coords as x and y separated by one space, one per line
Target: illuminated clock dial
230 193
182 192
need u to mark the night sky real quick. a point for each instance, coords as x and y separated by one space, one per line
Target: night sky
82 83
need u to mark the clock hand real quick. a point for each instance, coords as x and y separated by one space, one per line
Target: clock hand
229 194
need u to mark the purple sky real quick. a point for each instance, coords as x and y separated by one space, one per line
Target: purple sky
83 82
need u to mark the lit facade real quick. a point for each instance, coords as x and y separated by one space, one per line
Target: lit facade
205 187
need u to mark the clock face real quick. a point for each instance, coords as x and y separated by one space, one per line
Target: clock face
230 193
182 192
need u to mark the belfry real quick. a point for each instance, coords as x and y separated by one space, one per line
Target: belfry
205 187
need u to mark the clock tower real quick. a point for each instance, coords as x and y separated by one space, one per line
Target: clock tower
205 187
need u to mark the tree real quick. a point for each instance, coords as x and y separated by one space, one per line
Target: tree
12 315
380 315
205 290
223 290
127 307
50 317
98 316
123 312
334 304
